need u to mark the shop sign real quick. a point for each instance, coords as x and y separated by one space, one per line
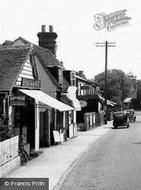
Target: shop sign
82 103
17 101
31 83
85 87
97 89
56 135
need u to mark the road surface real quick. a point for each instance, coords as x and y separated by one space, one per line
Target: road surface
112 163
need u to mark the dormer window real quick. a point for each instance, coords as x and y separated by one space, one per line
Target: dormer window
73 78
60 76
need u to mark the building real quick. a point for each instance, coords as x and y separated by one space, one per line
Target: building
29 95
87 94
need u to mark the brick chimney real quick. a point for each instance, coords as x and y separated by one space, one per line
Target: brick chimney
47 39
81 74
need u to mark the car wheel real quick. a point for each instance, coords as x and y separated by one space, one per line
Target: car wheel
115 126
128 125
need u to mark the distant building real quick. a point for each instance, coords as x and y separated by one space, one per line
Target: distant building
87 94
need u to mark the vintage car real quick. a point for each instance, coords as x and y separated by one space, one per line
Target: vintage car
131 115
120 118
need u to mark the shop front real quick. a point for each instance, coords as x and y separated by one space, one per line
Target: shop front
42 116
70 116
22 119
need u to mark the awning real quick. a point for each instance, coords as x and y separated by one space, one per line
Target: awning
110 103
40 96
127 100
76 104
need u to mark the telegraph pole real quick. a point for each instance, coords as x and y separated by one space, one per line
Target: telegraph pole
106 45
122 91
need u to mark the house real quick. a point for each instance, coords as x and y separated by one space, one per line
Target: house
28 96
37 89
69 94
31 93
87 94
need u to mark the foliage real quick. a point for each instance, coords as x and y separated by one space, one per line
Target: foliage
118 85
138 93
5 129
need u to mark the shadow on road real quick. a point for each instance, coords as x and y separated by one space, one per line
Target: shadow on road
139 121
137 143
120 128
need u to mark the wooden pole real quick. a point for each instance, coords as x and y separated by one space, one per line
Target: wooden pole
106 61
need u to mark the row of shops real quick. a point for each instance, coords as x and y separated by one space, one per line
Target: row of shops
41 103
41 119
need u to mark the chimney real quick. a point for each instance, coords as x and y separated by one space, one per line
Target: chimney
43 28
81 73
47 39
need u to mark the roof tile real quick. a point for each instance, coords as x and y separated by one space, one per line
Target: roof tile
11 60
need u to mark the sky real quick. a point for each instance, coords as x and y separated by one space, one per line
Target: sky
73 21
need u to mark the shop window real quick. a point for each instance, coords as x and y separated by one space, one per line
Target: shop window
70 117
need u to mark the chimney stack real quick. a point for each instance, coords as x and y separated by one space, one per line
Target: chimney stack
81 73
47 39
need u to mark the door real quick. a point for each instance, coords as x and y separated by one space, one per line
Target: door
44 129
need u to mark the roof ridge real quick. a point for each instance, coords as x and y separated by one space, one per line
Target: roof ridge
26 41
26 46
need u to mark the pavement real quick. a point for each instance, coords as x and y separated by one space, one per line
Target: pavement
57 161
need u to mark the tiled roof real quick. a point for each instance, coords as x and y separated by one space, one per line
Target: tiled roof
66 100
22 39
7 43
11 61
87 80
44 55
46 58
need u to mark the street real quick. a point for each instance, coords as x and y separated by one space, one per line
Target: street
112 163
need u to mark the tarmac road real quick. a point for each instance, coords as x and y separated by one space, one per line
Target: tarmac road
112 163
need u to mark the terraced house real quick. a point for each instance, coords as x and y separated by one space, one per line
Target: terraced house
31 97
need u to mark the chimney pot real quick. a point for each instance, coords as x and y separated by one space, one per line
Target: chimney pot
43 28
50 28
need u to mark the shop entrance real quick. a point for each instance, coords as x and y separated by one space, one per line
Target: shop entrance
44 129
24 124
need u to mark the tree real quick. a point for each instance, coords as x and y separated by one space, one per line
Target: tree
118 85
138 99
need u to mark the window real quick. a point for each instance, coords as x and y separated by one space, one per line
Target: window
60 76
72 78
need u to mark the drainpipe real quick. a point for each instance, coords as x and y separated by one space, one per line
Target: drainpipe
55 119
37 125
4 107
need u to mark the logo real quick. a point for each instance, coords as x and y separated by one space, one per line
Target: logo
111 21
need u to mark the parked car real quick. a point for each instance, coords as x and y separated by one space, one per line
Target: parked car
120 118
131 114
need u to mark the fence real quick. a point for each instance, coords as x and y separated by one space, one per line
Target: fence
92 120
8 150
